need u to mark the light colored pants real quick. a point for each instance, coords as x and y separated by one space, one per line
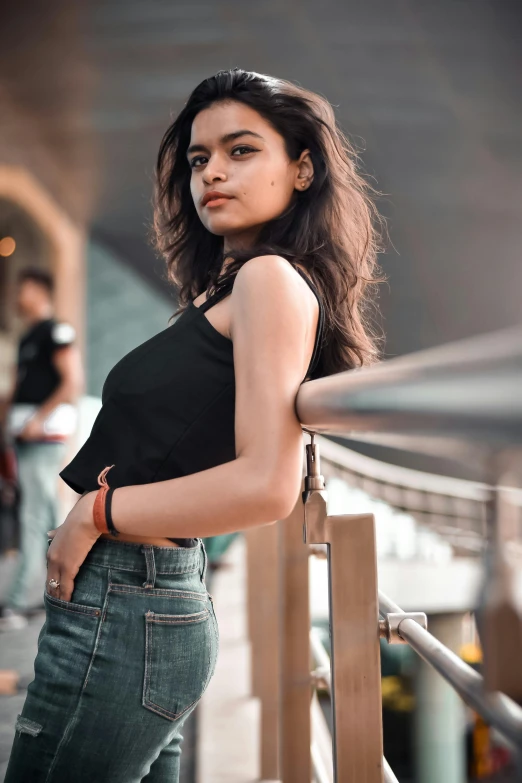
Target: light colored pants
38 466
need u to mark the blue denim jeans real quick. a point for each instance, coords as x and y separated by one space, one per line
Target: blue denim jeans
119 668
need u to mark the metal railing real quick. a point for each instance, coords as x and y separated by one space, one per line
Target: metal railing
501 712
321 676
467 399
466 392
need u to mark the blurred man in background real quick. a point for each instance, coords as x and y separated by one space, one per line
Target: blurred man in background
40 416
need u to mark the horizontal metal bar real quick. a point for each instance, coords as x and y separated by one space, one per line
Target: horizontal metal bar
436 446
498 710
471 389
321 657
407 478
320 773
321 748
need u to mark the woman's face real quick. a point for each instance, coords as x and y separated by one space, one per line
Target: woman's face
235 151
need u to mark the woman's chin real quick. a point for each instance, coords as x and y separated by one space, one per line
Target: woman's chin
225 228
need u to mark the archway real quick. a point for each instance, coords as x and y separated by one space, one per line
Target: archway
65 241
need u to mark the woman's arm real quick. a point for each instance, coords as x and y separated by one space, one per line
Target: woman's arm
273 321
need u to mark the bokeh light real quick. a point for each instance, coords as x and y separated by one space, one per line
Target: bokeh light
7 246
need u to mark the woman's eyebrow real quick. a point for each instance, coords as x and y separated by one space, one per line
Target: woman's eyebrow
224 140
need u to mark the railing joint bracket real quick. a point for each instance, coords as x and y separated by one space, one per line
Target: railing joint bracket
320 678
389 626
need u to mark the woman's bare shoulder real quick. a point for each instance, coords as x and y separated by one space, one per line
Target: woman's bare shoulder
270 275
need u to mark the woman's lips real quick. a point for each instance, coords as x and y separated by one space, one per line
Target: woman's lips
217 202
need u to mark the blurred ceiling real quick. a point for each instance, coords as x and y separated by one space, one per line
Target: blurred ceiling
431 90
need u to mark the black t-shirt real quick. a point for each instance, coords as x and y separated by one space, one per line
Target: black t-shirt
37 377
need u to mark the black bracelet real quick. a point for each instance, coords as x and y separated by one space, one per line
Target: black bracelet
108 514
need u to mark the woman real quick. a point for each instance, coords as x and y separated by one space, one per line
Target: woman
268 233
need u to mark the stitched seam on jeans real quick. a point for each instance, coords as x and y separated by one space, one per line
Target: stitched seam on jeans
148 648
180 619
116 567
180 571
97 640
62 742
163 592
109 566
72 721
146 700
216 642
166 713
89 611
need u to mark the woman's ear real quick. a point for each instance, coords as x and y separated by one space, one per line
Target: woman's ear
304 171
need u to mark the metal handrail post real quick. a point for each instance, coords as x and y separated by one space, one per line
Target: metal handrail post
355 660
264 606
295 649
253 586
354 629
499 614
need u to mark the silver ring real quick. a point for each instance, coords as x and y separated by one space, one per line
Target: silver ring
53 583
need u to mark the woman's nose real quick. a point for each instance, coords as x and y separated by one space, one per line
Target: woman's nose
214 172
210 177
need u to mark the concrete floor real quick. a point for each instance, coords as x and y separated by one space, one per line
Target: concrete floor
17 651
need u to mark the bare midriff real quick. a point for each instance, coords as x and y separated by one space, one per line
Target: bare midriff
154 540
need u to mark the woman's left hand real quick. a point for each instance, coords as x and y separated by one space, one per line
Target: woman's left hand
71 543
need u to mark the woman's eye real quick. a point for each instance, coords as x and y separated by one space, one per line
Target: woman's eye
247 149
194 161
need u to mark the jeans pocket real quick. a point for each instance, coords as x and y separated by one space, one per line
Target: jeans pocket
179 656
87 595
70 606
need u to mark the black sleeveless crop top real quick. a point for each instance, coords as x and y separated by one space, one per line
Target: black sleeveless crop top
168 406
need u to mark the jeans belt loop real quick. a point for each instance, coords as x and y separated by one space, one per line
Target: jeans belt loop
205 560
151 565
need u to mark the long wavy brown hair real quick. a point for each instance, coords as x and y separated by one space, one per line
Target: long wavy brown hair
333 229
